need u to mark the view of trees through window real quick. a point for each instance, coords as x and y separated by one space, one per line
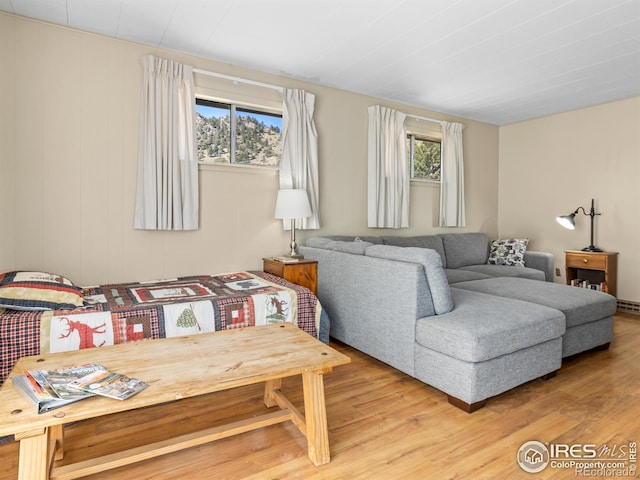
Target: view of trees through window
258 135
424 158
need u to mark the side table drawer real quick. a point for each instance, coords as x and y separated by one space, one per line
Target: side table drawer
303 272
274 268
594 262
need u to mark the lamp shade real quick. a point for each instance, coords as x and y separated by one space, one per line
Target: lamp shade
567 221
292 203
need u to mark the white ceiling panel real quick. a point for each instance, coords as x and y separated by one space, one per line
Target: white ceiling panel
496 61
98 16
187 32
52 11
145 21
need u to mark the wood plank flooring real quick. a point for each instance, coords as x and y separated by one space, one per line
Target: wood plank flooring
383 425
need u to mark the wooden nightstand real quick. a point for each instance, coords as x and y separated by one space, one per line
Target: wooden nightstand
597 267
303 272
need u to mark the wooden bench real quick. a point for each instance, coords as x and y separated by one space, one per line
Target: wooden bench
177 368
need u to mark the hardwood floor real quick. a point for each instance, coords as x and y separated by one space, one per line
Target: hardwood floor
384 425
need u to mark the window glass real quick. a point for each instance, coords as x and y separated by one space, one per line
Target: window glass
424 158
213 132
258 138
230 134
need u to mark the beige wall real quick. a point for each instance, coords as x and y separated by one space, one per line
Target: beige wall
7 143
552 165
69 117
68 148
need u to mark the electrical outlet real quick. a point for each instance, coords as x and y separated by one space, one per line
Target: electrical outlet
557 272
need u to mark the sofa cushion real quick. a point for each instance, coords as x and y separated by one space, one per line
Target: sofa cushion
430 260
508 251
505 271
455 275
464 249
423 241
579 305
482 327
356 238
357 247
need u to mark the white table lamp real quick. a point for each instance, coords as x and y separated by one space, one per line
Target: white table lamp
292 204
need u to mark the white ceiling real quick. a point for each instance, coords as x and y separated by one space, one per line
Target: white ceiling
496 61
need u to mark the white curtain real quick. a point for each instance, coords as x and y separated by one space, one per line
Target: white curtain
167 192
299 163
452 176
388 175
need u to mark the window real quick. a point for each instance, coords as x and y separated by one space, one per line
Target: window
232 134
424 158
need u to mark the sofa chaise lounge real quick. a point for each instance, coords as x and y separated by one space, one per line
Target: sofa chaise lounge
433 308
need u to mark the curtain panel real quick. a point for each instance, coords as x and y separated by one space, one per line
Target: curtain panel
452 212
167 183
299 163
388 176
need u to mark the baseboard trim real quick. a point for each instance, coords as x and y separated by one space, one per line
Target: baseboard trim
629 306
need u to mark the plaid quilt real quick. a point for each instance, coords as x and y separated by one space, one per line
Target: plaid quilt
127 312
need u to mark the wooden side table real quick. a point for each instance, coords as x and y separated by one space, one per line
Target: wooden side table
302 272
596 267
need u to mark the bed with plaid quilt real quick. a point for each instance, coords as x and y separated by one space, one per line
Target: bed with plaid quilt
127 312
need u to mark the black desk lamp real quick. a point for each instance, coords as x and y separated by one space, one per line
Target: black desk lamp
568 221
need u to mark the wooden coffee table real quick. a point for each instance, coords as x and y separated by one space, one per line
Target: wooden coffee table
177 368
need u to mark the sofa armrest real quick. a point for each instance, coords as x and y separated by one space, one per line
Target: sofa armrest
540 261
373 303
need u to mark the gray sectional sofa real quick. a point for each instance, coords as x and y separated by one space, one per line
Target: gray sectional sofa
433 308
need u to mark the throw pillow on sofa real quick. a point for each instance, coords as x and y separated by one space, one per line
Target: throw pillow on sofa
508 251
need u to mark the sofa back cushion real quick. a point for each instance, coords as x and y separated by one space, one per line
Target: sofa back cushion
464 249
356 238
357 247
432 263
423 241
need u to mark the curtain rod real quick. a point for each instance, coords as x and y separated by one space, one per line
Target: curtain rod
427 119
238 79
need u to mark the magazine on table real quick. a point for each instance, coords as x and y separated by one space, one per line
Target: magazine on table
59 379
108 384
44 400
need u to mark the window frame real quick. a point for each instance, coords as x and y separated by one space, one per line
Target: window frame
412 137
234 108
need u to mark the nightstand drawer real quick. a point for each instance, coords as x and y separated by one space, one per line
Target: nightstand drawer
274 268
593 262
302 272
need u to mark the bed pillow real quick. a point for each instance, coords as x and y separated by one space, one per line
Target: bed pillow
20 290
508 252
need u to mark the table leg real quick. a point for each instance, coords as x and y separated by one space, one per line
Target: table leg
34 460
315 413
56 433
269 387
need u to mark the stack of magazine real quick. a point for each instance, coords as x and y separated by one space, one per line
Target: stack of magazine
50 389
